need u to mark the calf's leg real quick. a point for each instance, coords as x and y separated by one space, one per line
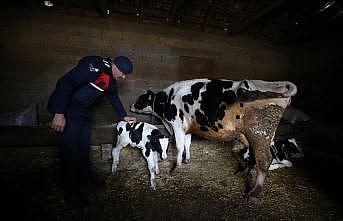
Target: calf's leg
157 170
115 157
188 139
151 166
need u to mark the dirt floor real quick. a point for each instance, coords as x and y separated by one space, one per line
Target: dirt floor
205 189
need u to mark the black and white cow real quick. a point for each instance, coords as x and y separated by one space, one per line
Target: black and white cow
281 149
146 137
248 111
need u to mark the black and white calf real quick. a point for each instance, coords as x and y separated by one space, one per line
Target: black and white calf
281 149
146 137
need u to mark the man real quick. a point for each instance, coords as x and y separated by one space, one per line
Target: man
69 104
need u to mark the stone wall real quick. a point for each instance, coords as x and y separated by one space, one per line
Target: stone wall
40 46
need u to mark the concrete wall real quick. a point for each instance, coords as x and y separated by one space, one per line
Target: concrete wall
38 47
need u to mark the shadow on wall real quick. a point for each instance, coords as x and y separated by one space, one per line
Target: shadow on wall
33 115
26 117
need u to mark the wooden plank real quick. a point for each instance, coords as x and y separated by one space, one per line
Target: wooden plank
19 136
26 136
44 136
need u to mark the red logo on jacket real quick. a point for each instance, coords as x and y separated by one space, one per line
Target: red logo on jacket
103 81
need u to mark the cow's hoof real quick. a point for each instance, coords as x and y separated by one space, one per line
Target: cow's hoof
253 199
114 169
175 171
153 186
187 161
254 194
241 173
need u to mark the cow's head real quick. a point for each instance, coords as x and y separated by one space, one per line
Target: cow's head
144 103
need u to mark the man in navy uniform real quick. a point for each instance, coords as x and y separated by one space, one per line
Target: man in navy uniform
69 104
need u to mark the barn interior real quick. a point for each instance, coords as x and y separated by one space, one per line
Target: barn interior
169 41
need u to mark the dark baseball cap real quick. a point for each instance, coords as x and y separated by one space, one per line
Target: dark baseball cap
124 64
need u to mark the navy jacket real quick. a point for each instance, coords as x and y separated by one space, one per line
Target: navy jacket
76 83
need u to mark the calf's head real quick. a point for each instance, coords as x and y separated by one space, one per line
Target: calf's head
144 103
159 143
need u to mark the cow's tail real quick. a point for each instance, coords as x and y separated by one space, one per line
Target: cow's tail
285 88
291 89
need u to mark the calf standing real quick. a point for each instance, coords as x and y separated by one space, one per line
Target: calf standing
146 137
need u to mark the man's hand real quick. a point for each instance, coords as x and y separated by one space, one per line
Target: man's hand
58 123
130 119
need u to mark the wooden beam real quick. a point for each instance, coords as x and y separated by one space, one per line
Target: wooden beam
209 15
177 4
240 26
314 23
67 6
44 136
103 7
141 11
238 21
316 27
24 136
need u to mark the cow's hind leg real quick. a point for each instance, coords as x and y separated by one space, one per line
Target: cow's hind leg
180 142
151 166
261 125
248 155
263 159
249 165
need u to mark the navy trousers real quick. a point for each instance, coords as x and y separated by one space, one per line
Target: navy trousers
75 140
74 148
